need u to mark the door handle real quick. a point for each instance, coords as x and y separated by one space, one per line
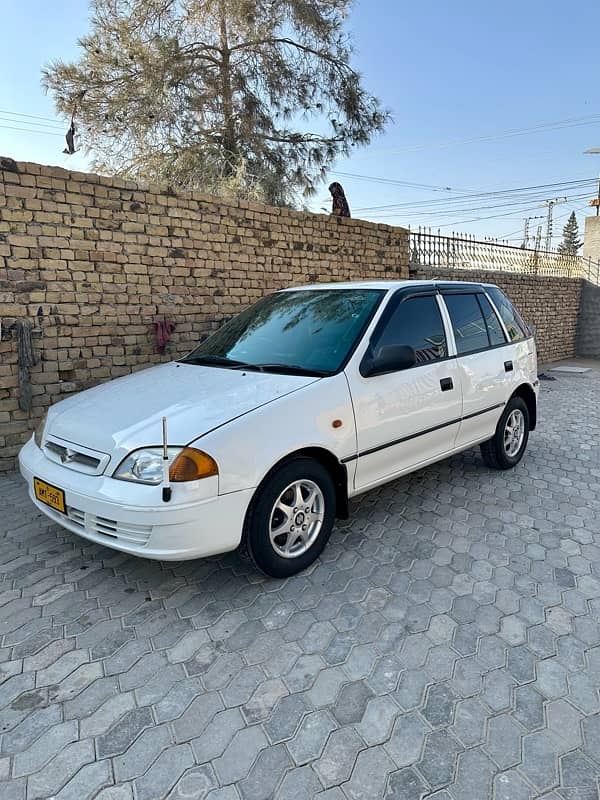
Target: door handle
446 384
508 366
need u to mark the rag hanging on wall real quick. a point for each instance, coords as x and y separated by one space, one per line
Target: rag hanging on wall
163 329
25 360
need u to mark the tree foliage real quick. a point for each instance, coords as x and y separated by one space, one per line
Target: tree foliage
571 241
247 97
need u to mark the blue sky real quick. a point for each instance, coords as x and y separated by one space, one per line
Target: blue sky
450 72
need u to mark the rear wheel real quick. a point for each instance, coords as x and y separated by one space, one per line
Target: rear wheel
505 449
291 518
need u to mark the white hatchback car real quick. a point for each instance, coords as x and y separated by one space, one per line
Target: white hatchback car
307 398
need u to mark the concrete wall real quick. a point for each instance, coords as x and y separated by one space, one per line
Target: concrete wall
93 262
552 304
591 241
588 334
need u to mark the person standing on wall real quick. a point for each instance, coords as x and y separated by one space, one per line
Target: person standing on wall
340 206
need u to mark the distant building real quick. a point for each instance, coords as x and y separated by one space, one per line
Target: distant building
591 242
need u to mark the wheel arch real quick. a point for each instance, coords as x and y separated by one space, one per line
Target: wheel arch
327 459
527 394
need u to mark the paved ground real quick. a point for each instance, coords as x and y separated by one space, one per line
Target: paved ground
447 646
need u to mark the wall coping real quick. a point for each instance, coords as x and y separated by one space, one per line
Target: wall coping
9 165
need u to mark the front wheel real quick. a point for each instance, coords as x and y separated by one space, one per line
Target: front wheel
291 518
505 449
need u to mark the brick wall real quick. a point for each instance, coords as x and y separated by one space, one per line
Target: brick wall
588 334
552 304
93 262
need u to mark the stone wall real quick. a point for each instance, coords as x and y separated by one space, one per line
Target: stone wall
93 262
588 334
551 304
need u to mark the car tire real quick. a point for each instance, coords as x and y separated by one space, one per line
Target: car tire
283 535
506 447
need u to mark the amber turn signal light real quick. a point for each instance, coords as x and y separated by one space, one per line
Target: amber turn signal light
191 465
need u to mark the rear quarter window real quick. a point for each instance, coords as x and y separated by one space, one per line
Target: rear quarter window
516 327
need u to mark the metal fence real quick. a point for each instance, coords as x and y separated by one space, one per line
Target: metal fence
430 249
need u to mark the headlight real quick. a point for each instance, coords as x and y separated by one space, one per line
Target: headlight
185 464
38 436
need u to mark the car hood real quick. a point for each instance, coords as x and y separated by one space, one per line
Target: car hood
122 415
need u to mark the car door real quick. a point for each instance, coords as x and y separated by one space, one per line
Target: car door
485 362
409 417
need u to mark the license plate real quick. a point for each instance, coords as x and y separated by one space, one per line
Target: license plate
50 495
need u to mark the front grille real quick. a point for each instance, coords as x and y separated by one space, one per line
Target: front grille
70 456
126 532
74 456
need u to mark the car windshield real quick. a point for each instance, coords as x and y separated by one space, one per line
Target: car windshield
304 332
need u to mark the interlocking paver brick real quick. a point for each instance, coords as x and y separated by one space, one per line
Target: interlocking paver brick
564 724
469 721
87 782
406 742
49 780
217 735
142 753
265 774
107 714
369 777
178 698
164 773
511 786
539 760
309 741
439 704
378 719
337 760
504 741
195 719
44 748
405 785
194 783
438 761
450 630
240 754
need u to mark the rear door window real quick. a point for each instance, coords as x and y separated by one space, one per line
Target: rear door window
516 327
495 331
416 322
468 323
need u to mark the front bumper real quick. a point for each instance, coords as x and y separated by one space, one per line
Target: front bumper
132 519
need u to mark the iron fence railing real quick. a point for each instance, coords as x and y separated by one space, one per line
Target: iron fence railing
430 249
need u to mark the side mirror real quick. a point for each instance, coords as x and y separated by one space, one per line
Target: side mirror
532 328
391 358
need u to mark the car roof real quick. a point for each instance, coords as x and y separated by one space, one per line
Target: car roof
386 285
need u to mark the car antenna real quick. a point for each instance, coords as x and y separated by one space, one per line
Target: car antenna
166 491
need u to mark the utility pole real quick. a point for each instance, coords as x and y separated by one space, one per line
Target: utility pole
551 203
538 237
526 231
594 151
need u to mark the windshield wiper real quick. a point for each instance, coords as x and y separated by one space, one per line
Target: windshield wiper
213 361
288 369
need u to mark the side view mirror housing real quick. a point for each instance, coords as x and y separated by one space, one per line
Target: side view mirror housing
532 328
391 358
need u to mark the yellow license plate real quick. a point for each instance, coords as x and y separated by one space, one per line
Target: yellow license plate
50 495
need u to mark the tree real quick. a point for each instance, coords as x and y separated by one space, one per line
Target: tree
571 242
245 97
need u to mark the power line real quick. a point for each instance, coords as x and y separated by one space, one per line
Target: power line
30 130
34 125
30 116
548 187
573 122
538 199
